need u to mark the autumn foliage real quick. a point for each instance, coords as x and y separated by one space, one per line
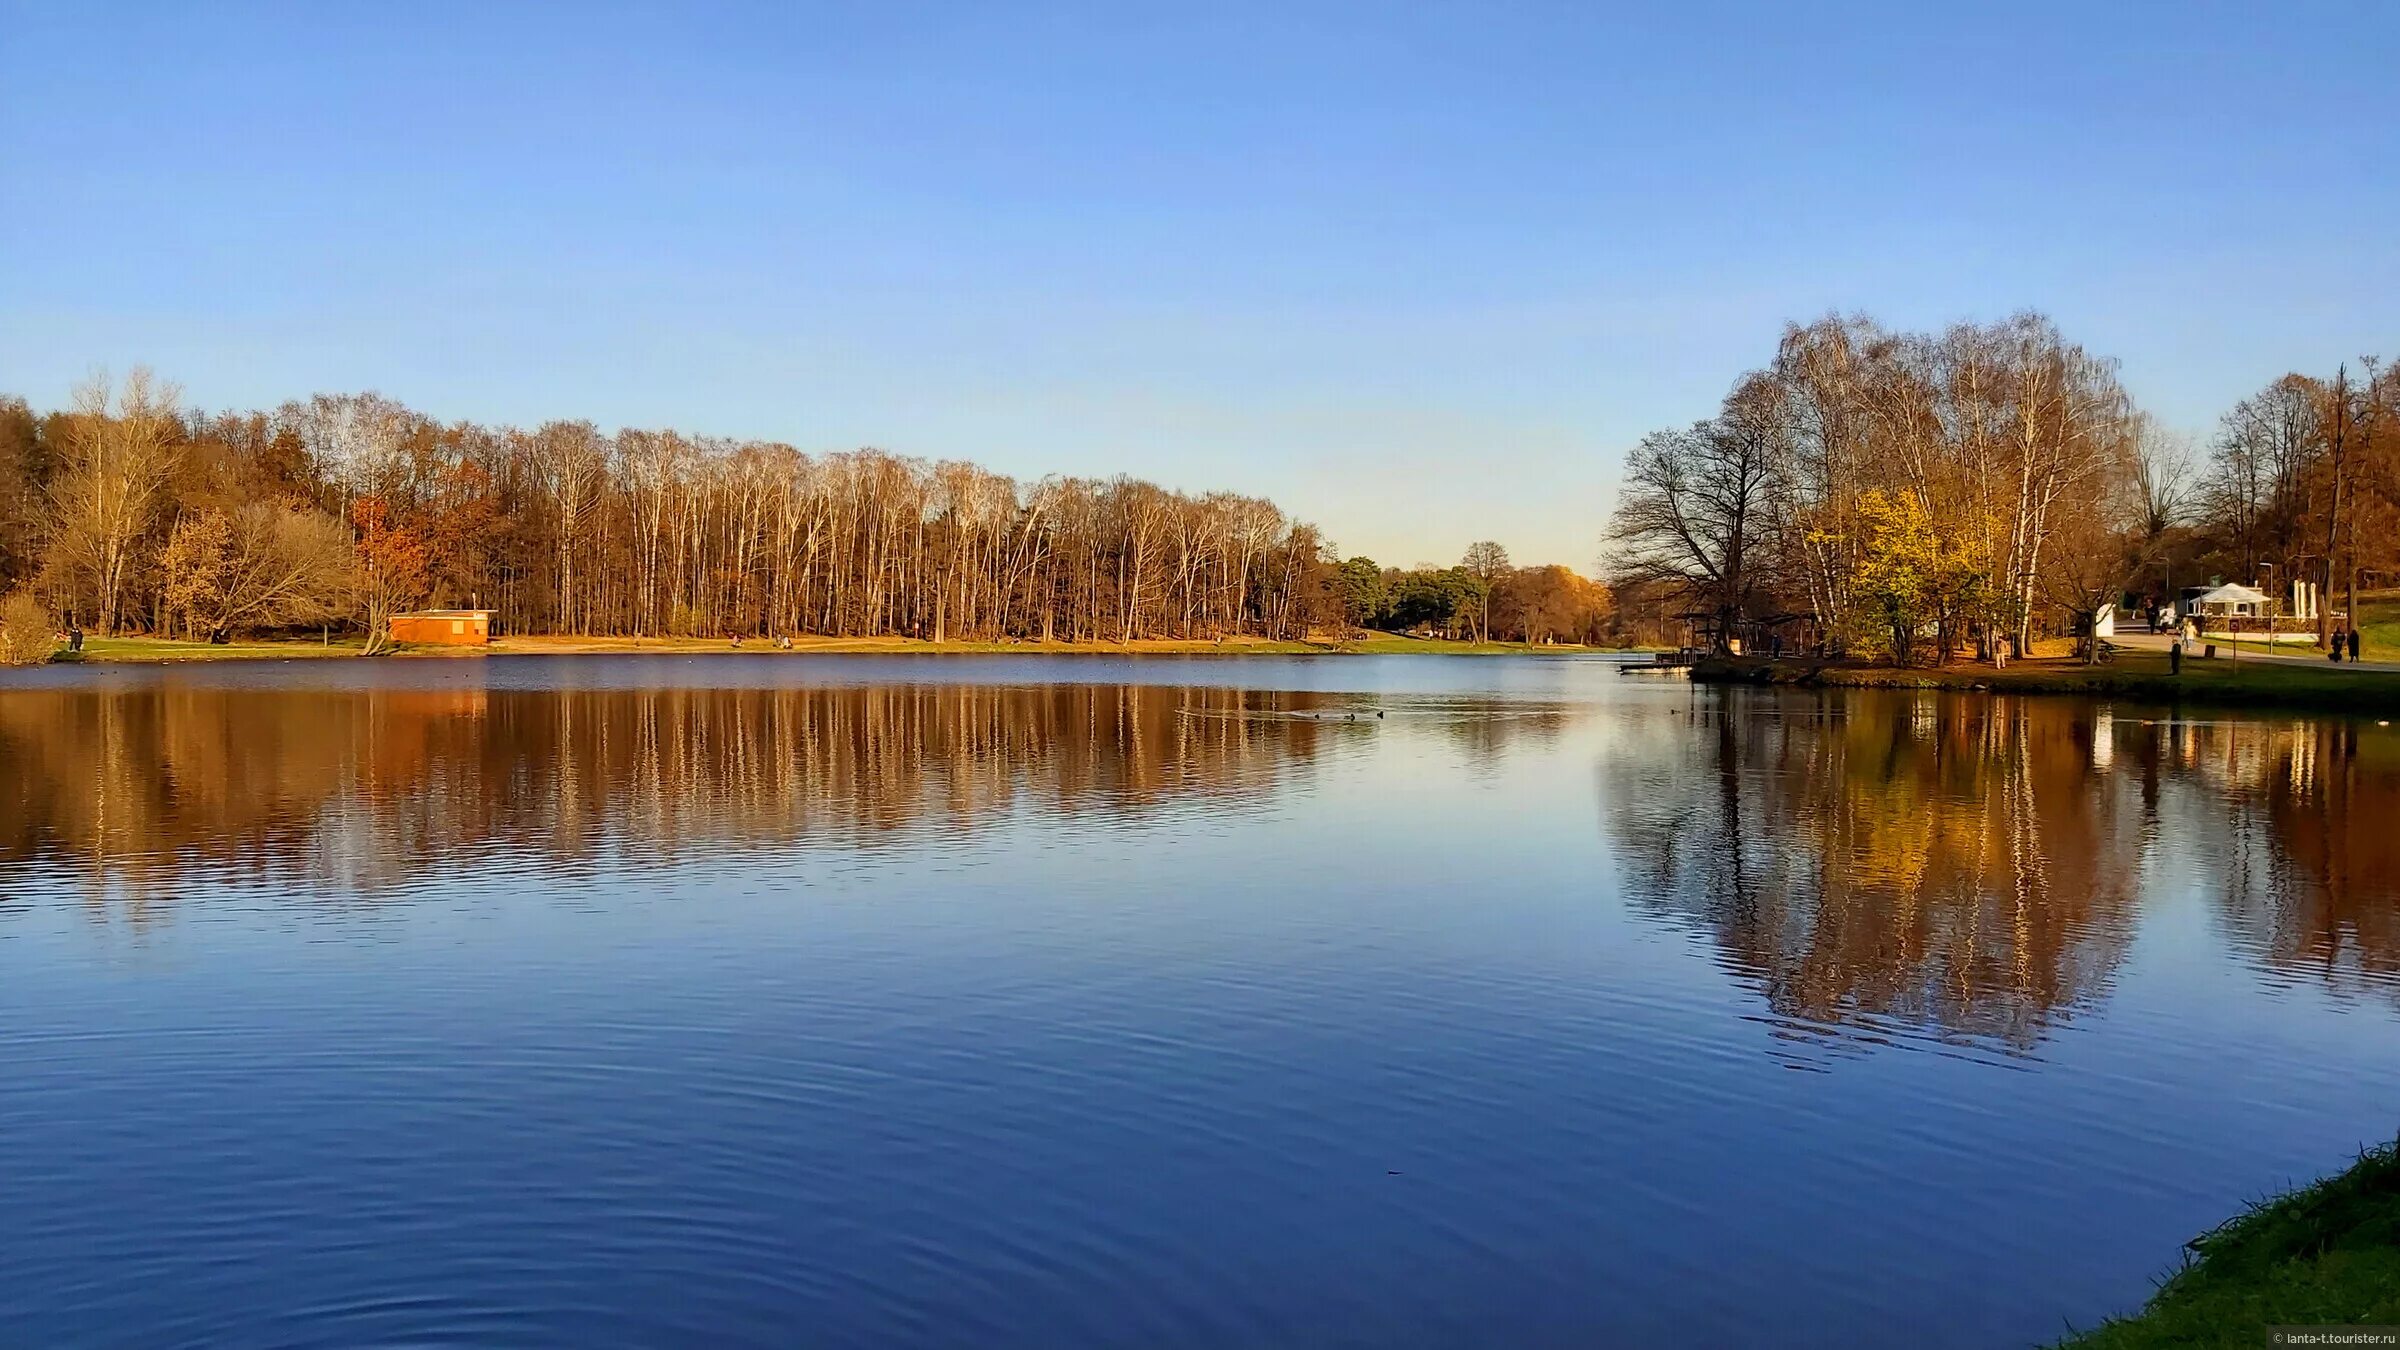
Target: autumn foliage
143 516
1918 496
26 638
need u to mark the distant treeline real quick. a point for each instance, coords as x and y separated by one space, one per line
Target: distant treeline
1484 597
127 512
1915 495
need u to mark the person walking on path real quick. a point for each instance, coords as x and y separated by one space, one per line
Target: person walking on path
2355 645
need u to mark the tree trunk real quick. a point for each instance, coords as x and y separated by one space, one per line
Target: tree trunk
2333 518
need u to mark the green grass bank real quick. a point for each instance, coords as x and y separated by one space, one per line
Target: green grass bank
2137 676
2325 1255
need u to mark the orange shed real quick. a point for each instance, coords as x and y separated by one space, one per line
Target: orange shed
444 627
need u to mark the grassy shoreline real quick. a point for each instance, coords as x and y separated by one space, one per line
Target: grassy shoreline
101 651
2140 676
2327 1254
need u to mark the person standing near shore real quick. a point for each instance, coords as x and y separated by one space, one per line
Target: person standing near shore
2355 644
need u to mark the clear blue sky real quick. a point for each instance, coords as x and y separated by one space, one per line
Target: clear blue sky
1418 272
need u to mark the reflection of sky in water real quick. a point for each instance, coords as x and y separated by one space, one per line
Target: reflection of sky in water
1157 1000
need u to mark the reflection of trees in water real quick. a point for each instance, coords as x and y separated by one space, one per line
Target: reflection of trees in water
2306 856
1957 865
373 787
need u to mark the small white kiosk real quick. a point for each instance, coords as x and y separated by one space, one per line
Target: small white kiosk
2222 612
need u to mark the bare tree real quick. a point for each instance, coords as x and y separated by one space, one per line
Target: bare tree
2337 463
357 442
2165 477
571 460
1487 562
120 455
1693 510
2256 489
287 566
2097 552
570 529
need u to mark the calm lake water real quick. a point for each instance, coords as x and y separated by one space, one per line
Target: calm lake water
1004 1002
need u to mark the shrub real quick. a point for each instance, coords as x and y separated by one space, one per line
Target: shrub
26 637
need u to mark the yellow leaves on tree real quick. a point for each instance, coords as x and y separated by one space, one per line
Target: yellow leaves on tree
1914 583
25 633
195 568
265 564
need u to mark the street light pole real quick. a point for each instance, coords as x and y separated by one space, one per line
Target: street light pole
2237 633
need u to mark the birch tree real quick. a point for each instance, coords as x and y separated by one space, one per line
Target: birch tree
120 455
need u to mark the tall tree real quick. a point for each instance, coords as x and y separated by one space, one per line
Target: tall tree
2337 465
394 561
1360 584
1693 510
120 455
22 509
1487 562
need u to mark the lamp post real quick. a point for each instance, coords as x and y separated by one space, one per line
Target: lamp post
2264 567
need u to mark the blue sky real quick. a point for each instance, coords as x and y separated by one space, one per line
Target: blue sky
1420 273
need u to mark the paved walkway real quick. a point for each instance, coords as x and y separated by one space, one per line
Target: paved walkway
2310 656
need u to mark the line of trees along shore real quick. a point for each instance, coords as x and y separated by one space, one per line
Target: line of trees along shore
1921 495
127 513
1908 496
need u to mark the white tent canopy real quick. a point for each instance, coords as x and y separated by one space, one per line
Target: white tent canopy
2244 612
2231 599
